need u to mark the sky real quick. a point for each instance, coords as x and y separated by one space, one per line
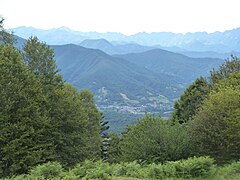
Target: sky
124 16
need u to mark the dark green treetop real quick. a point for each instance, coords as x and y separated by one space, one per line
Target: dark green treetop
22 120
189 102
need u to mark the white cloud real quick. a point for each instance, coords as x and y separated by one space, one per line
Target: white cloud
126 16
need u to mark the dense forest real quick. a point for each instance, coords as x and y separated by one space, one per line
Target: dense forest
49 129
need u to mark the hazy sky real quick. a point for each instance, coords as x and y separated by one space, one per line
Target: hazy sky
125 16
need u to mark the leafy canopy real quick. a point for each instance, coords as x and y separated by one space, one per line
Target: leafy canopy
215 129
154 140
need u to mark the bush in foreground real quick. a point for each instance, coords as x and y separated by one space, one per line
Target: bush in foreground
154 140
191 168
48 170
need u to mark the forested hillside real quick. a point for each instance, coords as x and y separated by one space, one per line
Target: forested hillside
51 130
183 67
118 85
132 84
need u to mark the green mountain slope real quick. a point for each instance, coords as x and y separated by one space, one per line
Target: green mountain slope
117 84
130 85
165 62
88 68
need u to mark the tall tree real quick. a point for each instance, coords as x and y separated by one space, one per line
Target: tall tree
22 120
215 129
70 127
75 119
105 139
41 118
187 106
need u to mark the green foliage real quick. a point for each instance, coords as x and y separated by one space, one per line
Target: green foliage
39 58
186 107
154 140
192 98
129 169
214 108
191 168
225 70
92 137
114 150
22 120
215 130
41 119
229 171
69 127
50 170
233 82
194 167
75 126
92 170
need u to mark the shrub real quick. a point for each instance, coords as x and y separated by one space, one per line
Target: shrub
194 167
92 170
215 129
154 140
48 170
189 168
19 177
230 169
70 176
79 171
155 171
100 170
131 169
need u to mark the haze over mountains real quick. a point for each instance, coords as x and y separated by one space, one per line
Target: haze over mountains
131 75
222 42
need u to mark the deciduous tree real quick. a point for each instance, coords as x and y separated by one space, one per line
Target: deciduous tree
22 120
154 140
215 129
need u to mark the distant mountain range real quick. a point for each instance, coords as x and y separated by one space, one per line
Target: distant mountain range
222 42
131 84
111 48
127 79
115 80
114 48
